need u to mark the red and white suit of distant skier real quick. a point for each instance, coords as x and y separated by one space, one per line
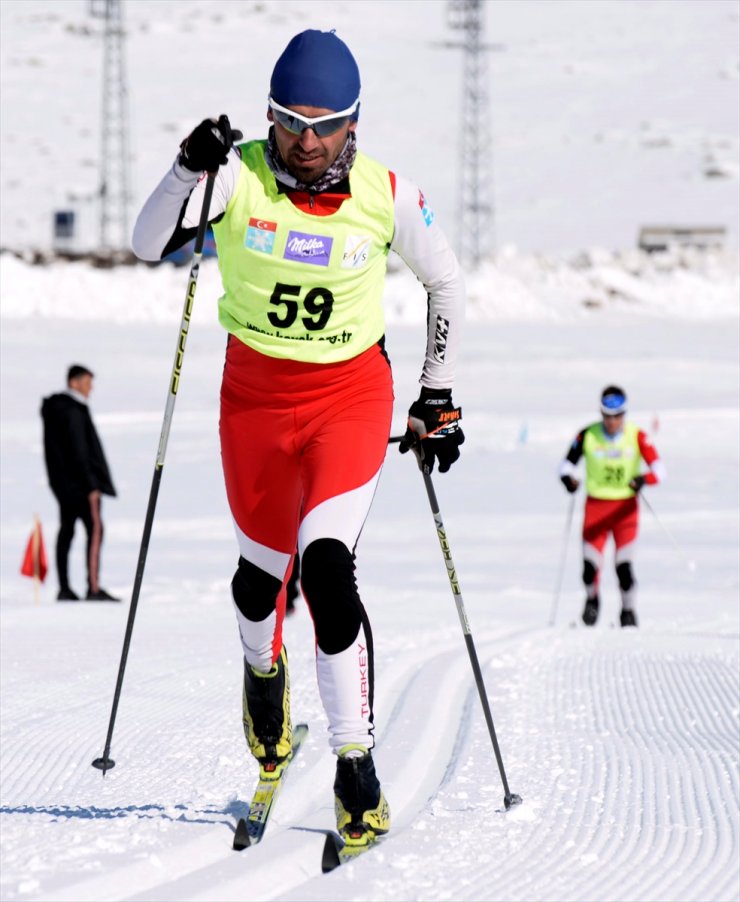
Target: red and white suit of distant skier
612 462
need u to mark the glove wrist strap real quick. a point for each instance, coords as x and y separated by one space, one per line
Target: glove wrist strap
441 394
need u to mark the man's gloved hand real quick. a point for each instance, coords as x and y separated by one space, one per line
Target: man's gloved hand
433 429
570 483
637 483
207 146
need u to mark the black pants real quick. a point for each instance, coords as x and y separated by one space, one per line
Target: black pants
70 511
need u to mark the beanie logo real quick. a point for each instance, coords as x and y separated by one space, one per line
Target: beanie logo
304 248
356 251
260 235
426 210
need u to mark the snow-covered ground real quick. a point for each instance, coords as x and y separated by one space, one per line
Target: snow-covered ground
624 745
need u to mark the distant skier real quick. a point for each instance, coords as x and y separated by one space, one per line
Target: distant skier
304 223
78 476
613 450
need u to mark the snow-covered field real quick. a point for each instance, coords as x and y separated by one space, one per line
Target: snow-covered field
624 745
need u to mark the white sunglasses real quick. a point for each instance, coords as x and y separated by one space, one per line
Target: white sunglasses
323 126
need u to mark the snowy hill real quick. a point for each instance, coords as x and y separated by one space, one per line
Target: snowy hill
604 116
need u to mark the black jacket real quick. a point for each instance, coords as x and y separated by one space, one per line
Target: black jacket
75 461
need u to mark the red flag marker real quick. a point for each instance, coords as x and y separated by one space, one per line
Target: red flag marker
35 563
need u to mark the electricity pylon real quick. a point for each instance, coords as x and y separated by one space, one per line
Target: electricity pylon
475 211
114 140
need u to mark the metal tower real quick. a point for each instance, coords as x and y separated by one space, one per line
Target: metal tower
475 212
114 143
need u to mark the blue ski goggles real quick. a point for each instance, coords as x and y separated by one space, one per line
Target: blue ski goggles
323 126
613 405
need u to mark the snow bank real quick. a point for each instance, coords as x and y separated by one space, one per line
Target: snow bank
514 286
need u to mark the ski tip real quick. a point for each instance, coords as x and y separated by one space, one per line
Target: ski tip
512 800
330 858
241 836
104 764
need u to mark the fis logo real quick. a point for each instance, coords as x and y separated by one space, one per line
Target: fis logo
440 339
356 251
426 210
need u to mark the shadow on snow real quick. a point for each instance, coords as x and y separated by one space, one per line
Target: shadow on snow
234 809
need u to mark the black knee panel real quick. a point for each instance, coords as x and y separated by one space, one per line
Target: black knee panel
255 591
625 576
328 581
589 573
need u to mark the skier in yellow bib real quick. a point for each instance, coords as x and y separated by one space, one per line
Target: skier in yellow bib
613 450
304 223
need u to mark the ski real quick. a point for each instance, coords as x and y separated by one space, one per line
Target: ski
251 829
338 852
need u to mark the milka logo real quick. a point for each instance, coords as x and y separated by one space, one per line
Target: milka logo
304 248
308 247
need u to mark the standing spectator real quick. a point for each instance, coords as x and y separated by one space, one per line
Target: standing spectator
78 476
304 222
613 450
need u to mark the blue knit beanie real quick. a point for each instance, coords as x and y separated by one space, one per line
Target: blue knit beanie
316 69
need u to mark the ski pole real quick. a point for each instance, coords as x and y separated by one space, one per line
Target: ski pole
105 762
690 564
563 556
510 799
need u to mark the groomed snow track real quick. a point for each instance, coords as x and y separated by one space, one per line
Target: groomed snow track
625 754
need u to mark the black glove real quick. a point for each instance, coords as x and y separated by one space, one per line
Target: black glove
570 483
637 483
207 146
434 430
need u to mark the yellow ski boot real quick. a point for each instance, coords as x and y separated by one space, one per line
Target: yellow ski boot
266 715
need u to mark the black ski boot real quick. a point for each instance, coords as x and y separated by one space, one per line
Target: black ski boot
627 617
361 809
591 611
